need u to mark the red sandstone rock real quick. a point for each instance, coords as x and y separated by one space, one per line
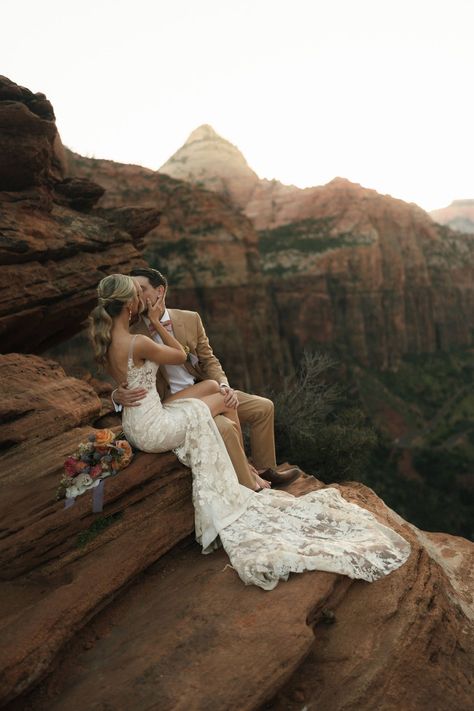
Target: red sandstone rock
52 256
192 629
30 148
50 585
369 276
189 635
209 251
51 263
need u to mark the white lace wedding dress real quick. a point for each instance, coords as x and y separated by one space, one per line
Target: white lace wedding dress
270 534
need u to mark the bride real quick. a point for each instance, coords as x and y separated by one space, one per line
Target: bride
267 535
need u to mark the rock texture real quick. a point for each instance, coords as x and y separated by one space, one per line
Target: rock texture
30 148
51 255
208 160
364 274
188 633
373 276
50 584
459 215
210 253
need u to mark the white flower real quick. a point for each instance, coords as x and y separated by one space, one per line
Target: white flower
82 482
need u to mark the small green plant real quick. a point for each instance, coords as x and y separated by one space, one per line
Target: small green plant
314 426
99 525
309 236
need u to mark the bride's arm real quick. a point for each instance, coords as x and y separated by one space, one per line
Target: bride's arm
170 353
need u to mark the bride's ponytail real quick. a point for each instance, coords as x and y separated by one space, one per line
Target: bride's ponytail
113 292
100 327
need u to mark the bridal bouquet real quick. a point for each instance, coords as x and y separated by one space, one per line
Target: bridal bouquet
103 455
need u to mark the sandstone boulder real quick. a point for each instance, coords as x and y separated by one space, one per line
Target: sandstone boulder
188 632
51 255
30 149
189 635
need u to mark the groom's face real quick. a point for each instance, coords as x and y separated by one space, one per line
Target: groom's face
149 291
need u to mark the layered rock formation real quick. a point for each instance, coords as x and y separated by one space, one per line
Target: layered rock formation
369 276
51 255
373 276
187 632
30 147
459 215
210 253
75 630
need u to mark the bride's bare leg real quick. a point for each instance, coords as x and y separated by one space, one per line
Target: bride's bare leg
209 392
199 390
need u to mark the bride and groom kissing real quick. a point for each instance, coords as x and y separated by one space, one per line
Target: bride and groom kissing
201 364
155 356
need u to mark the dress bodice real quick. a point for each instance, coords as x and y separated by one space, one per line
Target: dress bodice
141 376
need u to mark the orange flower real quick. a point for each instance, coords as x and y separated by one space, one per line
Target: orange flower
127 455
103 437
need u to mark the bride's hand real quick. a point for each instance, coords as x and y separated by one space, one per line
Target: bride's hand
230 398
155 311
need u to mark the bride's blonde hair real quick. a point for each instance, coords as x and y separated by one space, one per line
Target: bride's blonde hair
113 293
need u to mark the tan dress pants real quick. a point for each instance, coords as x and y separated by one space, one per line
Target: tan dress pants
257 412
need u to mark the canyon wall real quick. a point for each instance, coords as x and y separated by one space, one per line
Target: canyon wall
76 587
338 266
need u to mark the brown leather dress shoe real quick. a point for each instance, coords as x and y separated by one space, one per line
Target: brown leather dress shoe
280 478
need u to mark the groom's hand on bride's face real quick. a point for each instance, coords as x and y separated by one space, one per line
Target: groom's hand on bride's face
129 397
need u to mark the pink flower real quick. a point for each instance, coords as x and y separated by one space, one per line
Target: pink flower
70 466
96 471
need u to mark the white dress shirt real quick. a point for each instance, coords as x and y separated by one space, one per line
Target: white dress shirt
178 377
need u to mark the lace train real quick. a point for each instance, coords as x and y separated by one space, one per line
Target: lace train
267 535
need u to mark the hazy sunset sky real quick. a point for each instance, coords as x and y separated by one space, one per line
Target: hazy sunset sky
376 91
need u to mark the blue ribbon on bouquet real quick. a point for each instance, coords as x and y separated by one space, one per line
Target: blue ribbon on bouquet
97 498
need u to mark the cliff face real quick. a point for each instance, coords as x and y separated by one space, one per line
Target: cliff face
104 610
373 276
369 276
459 215
53 248
60 568
210 254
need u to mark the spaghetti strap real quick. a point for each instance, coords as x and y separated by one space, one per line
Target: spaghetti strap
130 350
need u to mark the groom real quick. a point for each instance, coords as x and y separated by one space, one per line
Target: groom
202 364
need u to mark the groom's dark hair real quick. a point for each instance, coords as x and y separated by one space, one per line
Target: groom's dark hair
155 277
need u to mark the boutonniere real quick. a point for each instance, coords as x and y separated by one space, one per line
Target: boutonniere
186 350
190 357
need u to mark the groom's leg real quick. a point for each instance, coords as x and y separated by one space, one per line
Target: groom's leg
258 412
231 437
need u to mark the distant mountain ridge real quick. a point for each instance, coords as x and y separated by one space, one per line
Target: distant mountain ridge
459 215
208 160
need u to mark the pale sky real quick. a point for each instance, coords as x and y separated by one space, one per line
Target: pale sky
376 91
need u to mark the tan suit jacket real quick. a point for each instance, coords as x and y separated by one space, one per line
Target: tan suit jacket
189 331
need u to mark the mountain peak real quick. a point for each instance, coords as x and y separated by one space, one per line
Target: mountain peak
213 162
203 133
